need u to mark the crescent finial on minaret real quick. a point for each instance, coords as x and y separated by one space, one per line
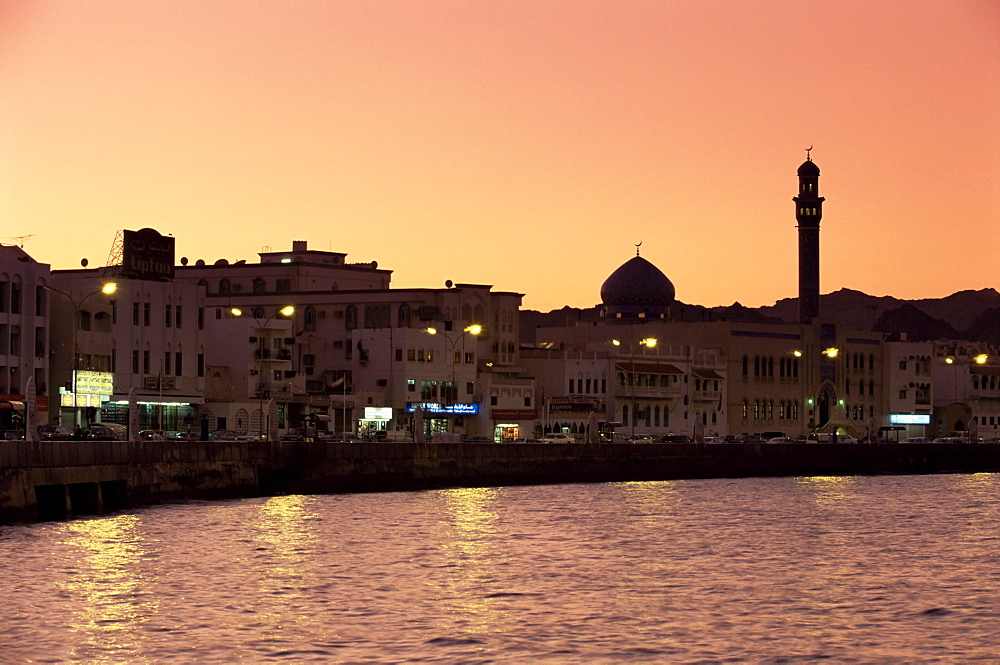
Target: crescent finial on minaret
637 248
808 156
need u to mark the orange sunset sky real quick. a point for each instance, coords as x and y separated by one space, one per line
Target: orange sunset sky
527 144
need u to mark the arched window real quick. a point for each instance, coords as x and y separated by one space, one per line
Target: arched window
224 287
403 316
756 410
756 366
84 322
871 361
781 410
746 364
309 318
770 409
770 366
745 409
258 286
351 317
871 387
795 410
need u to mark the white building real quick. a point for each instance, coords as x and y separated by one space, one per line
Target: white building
966 378
24 337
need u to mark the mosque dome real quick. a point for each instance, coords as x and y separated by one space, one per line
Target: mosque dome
808 169
637 290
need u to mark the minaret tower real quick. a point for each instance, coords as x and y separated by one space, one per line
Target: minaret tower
808 212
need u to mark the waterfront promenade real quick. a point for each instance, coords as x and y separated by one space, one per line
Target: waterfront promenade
55 480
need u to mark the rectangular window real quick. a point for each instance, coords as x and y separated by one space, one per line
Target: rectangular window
178 364
15 298
177 316
470 357
399 355
4 290
40 300
201 364
145 314
114 360
411 354
135 361
145 362
135 314
411 386
15 340
39 342
3 338
168 317
469 387
527 400
114 311
165 369
201 318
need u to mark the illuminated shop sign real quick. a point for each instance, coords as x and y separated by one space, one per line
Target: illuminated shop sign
95 383
378 413
434 407
909 419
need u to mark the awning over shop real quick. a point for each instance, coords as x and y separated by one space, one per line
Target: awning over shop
706 374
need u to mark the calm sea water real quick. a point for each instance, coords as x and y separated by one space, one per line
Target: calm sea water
870 569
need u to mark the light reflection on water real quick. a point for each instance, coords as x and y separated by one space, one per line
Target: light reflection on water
863 569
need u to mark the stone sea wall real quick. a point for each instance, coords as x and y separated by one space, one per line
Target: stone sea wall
56 480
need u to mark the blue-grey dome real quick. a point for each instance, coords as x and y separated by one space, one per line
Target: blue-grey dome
637 288
808 168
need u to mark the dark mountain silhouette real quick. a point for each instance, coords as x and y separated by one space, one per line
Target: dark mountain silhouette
966 315
918 326
986 328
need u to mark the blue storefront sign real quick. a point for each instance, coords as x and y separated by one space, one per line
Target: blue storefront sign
435 407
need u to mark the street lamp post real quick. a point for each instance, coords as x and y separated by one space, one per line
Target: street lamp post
107 289
284 312
472 329
649 343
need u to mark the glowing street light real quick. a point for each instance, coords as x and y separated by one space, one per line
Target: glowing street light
107 289
285 312
649 343
471 329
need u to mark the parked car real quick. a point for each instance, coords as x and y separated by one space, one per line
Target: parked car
294 434
915 439
823 437
643 438
187 436
250 435
712 439
675 438
120 432
781 439
223 435
477 439
152 435
99 433
616 437
343 437
557 437
54 433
